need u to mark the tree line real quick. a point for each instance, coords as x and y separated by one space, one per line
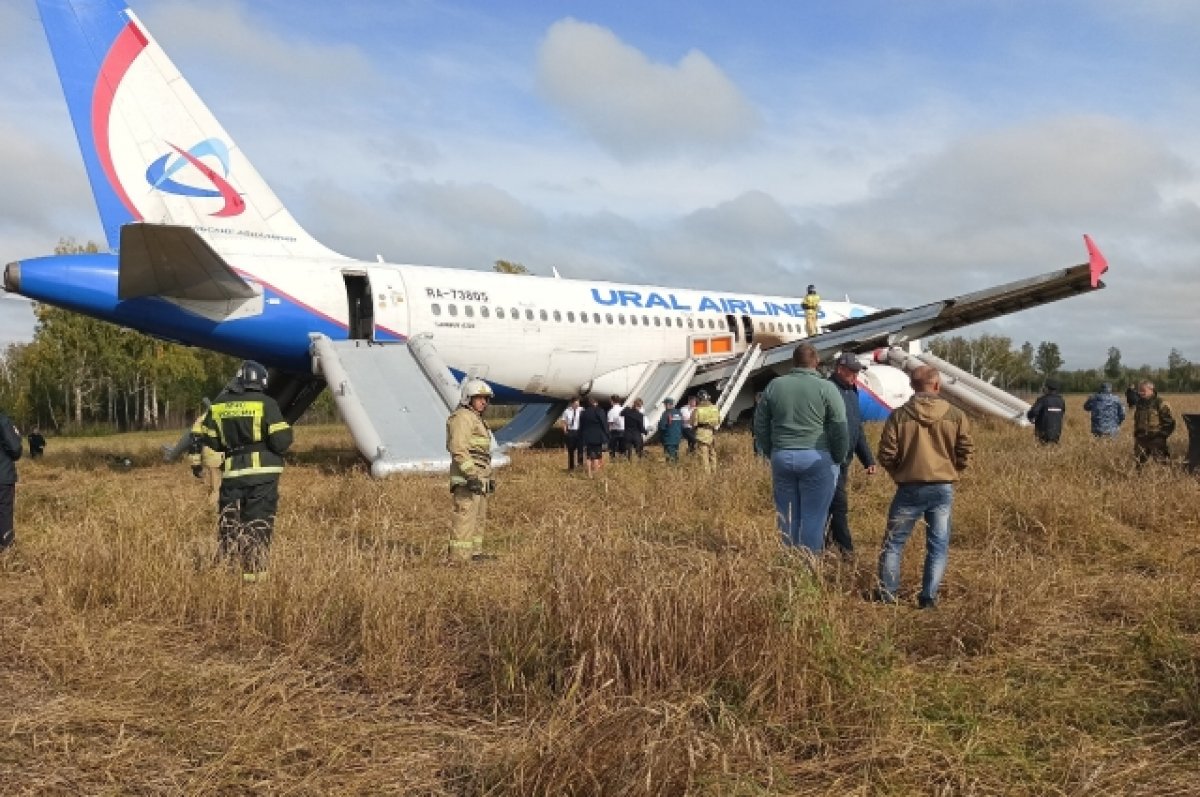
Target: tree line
1025 368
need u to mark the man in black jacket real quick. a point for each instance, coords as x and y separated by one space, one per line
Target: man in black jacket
1047 413
247 427
10 452
845 378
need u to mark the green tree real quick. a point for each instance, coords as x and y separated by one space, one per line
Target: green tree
1179 371
1112 366
1048 359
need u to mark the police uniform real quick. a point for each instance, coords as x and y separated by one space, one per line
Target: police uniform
811 304
248 429
705 419
469 441
206 463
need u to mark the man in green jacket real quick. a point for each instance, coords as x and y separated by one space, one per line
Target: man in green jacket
800 426
924 446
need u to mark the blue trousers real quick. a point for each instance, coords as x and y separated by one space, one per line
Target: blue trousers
912 503
803 481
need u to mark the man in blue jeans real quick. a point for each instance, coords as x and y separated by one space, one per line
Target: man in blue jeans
800 426
925 445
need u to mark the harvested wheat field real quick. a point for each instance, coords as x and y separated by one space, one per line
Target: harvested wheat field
640 634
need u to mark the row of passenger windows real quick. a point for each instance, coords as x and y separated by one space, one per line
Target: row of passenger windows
514 314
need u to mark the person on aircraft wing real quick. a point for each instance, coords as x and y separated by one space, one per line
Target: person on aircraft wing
469 441
705 420
812 306
246 427
1047 413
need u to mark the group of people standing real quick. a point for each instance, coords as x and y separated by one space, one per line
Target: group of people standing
810 429
1153 420
592 429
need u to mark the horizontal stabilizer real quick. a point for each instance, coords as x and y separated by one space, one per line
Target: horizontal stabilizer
174 262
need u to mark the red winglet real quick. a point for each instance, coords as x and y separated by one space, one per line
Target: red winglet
1095 260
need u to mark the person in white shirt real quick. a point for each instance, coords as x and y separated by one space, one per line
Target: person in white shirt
689 431
616 429
570 427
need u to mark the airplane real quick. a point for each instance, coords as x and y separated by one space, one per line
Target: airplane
203 253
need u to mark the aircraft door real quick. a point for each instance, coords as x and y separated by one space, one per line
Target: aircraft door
391 308
360 316
748 323
570 370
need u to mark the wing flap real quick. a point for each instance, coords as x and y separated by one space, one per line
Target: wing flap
173 261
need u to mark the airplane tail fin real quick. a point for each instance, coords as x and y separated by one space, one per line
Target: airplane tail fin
153 150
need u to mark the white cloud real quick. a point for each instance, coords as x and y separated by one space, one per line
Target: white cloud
634 107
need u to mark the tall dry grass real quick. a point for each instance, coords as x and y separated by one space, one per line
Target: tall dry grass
642 633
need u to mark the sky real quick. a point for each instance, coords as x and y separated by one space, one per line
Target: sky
892 153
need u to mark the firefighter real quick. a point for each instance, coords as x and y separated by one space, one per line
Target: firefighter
206 463
469 441
705 420
248 429
812 308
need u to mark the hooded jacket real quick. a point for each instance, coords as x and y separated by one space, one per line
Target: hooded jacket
1108 413
928 440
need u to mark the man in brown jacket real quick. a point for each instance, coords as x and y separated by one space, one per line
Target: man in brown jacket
924 446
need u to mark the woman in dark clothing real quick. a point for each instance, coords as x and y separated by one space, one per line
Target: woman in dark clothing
593 432
635 429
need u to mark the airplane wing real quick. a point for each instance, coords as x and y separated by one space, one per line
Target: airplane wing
174 262
896 326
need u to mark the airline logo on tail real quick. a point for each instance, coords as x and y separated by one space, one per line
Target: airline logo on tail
160 175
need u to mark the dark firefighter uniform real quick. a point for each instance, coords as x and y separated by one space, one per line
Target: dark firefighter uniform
248 428
469 442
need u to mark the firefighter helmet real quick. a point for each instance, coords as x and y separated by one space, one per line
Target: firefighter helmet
476 387
252 376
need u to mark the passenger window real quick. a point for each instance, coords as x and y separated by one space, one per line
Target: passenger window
557 316
596 317
691 324
542 314
621 319
571 316
679 322
633 320
516 314
529 315
646 320
483 311
452 309
469 311
583 318
436 309
608 318
657 321
500 313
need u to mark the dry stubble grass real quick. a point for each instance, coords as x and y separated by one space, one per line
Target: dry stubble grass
641 634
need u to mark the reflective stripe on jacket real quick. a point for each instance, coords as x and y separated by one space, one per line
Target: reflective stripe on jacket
469 441
250 431
706 419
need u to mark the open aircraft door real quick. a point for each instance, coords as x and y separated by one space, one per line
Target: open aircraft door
377 306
